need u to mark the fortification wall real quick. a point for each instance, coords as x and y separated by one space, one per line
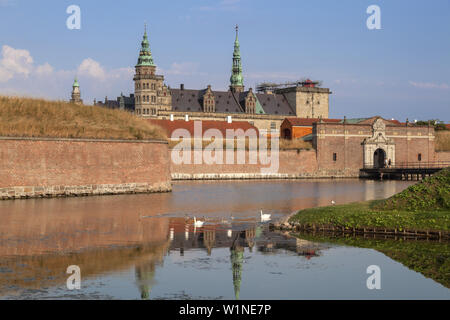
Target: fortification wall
442 156
292 164
33 167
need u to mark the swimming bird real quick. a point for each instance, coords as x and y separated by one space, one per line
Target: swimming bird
265 217
198 224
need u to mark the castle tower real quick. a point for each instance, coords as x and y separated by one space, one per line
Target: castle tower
151 94
237 80
308 99
76 94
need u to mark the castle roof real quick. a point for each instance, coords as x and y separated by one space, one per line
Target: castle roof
187 100
222 126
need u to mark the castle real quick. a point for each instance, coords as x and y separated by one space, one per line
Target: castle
265 109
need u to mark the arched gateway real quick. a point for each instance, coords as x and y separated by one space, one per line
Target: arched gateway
378 148
379 158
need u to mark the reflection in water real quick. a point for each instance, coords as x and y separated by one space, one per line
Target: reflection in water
431 258
110 237
145 274
237 259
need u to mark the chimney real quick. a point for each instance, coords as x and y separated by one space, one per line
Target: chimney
171 117
182 86
229 119
186 117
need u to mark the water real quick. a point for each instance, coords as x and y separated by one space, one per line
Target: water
145 246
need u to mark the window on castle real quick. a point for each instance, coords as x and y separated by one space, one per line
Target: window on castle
273 125
334 157
419 157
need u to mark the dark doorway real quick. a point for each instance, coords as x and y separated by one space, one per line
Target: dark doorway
379 158
287 134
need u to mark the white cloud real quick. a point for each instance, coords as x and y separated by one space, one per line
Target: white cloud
429 85
91 68
5 75
44 70
15 61
121 73
183 69
20 76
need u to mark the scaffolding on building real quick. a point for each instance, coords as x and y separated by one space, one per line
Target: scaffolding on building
271 86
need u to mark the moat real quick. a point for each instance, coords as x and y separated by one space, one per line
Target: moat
147 247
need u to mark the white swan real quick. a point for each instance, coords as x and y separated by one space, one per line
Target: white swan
265 217
198 224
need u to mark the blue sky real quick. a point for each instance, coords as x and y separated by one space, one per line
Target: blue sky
401 71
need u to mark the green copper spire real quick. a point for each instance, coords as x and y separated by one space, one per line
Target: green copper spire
145 56
75 83
237 80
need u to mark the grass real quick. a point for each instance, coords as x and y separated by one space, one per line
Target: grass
295 144
26 117
442 140
424 206
432 193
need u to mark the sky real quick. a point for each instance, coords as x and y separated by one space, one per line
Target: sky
399 71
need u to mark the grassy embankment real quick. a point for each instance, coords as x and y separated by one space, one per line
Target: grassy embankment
422 207
26 117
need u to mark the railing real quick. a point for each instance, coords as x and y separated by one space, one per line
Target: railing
413 165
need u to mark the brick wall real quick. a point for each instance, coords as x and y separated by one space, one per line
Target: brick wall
442 156
339 146
292 164
63 167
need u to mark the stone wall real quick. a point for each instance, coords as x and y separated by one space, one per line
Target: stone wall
74 167
308 102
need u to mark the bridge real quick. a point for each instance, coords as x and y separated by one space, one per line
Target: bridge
405 170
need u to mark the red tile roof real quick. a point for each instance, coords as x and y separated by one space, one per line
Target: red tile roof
308 122
222 126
